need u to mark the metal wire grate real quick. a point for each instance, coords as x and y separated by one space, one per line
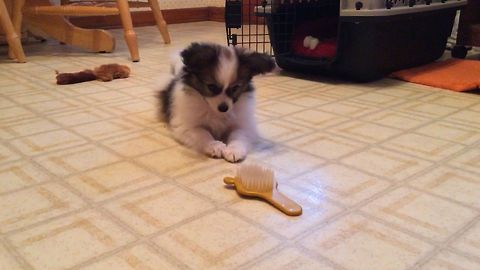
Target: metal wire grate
246 24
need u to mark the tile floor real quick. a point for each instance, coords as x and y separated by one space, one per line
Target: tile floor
387 172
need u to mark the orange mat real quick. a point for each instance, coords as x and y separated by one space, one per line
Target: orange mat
452 74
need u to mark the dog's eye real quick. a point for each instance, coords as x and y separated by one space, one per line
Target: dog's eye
214 89
234 88
232 91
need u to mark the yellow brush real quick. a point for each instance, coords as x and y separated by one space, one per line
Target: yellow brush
256 181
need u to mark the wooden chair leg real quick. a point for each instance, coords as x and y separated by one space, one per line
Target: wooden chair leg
57 27
13 39
161 23
130 36
17 21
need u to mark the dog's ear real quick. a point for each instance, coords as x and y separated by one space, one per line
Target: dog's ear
256 63
197 55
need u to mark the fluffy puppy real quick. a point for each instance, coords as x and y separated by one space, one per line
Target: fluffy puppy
209 103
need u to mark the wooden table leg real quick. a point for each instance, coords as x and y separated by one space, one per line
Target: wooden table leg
13 39
161 23
130 36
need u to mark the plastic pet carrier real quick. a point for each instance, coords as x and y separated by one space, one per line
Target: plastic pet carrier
361 40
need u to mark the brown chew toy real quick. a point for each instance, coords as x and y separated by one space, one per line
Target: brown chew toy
104 73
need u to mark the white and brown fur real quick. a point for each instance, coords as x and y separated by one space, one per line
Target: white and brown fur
209 103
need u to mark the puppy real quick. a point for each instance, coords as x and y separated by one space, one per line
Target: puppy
209 103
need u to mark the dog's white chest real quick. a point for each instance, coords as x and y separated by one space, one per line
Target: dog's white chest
218 126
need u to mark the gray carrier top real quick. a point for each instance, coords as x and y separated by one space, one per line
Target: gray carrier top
350 8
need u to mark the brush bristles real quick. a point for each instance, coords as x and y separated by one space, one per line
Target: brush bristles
256 178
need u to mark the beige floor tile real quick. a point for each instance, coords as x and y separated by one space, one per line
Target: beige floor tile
112 180
106 129
30 206
315 119
82 116
35 96
343 92
314 211
139 143
290 258
18 87
287 162
326 145
302 85
452 132
17 175
386 164
475 108
104 97
306 99
75 160
357 243
277 79
158 208
364 131
423 146
144 90
281 130
452 100
5 103
79 89
454 184
430 110
377 99
404 90
57 106
469 160
130 107
148 119
69 241
348 108
395 119
7 260
340 184
7 155
47 142
421 213
216 241
27 127
465 117
138 257
469 242
448 261
176 161
272 91
14 114
278 108
209 182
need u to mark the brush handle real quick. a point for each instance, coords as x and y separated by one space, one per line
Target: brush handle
284 204
229 180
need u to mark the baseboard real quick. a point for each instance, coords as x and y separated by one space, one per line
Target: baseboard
216 14
145 17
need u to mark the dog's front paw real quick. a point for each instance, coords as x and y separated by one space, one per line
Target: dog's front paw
215 149
234 153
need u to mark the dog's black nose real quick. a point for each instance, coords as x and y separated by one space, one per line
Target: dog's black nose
223 107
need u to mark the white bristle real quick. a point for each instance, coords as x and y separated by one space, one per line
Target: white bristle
256 178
